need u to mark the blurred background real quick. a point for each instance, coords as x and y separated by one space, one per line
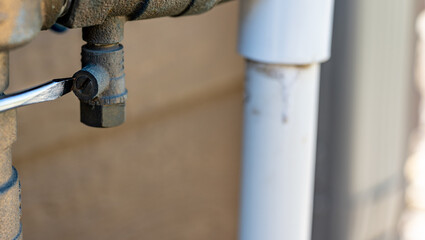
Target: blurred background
172 170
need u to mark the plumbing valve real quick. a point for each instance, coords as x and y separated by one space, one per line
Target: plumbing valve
100 84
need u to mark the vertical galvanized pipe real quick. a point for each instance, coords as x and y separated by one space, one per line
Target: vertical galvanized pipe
284 42
10 202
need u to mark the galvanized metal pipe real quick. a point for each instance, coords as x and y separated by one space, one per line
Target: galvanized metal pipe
84 13
4 70
284 42
10 202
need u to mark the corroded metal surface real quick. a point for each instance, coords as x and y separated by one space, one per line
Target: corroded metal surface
102 91
107 109
89 13
7 133
112 59
102 116
4 73
111 31
160 8
90 82
52 10
10 211
10 207
200 6
20 21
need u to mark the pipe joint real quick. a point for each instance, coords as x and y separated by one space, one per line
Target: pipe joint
100 85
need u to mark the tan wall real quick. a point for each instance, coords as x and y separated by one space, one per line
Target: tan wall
171 171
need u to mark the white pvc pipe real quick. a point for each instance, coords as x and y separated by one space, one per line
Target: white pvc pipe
285 31
284 42
279 152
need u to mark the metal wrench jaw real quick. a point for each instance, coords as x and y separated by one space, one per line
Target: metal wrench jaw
45 92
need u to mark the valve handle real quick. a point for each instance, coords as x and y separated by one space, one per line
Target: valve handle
45 92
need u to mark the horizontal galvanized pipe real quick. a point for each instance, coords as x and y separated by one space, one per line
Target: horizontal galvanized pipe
84 13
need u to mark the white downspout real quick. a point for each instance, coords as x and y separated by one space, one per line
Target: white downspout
284 41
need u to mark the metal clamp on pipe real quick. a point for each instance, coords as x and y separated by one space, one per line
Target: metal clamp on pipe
100 84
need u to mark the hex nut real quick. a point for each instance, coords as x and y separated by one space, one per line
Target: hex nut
102 116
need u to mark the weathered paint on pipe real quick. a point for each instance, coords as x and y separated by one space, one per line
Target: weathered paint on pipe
85 13
278 151
22 20
4 70
10 202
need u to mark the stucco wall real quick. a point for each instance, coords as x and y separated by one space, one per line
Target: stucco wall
171 171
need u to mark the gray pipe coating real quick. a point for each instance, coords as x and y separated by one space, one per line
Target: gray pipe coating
10 202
